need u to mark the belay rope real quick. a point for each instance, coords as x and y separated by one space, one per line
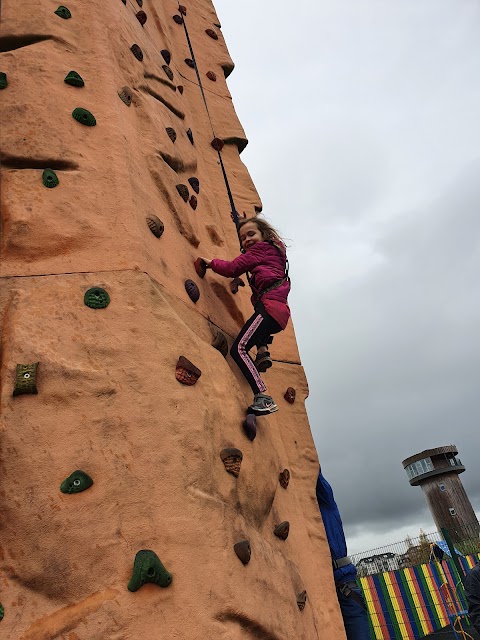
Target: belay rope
225 177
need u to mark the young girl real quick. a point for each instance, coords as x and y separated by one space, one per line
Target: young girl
264 257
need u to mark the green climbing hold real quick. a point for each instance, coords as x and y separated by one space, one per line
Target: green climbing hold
25 379
76 482
2 611
96 298
84 117
63 12
75 79
49 178
3 80
148 568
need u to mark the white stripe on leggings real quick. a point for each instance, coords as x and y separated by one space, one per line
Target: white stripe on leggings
244 355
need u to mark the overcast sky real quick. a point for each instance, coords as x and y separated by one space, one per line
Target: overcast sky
364 124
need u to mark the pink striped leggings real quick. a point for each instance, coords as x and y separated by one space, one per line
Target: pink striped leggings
256 331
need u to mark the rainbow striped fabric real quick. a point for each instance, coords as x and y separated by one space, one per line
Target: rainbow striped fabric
407 604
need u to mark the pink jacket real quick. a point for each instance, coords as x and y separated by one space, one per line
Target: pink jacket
267 264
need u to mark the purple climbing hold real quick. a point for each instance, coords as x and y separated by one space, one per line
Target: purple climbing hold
250 426
192 290
190 63
217 144
195 184
190 135
166 55
178 19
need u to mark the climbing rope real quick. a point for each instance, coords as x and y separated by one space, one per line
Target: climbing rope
235 216
449 603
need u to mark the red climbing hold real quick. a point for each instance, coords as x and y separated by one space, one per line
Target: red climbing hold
182 9
193 202
235 283
141 17
217 144
212 76
211 33
200 267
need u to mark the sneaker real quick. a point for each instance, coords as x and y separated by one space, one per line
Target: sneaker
263 361
262 405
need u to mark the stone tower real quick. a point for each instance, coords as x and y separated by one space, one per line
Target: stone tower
437 471
110 188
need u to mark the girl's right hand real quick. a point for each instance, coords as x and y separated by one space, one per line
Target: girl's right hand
207 262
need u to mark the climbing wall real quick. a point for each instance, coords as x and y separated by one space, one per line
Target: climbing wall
135 502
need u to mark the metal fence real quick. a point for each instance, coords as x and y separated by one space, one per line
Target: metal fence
414 588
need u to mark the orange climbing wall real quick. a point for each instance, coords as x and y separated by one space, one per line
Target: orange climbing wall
108 402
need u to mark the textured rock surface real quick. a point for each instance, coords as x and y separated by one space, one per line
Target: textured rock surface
108 402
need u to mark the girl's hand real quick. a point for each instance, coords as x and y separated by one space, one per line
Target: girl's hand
207 262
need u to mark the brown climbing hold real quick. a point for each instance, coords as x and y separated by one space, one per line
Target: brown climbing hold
168 72
211 33
212 76
137 52
250 426
178 19
141 17
235 283
195 184
217 144
186 372
172 134
166 55
290 395
183 191
220 343
125 95
140 3
243 551
200 267
301 600
192 290
180 89
155 225
284 478
282 530
232 459
182 9
193 202
190 63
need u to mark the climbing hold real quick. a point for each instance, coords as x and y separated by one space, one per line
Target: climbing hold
137 52
84 117
182 9
168 71
141 16
49 178
76 482
96 298
235 283
192 290
220 343
243 551
63 12
172 134
284 478
166 55
3 80
147 568
75 79
178 19
190 135
186 372
195 184
124 2
200 267
217 144
183 191
25 379
140 3
155 225
232 459
193 202
2 611
301 600
290 395
125 95
211 33
211 76
250 426
180 89
282 530
190 63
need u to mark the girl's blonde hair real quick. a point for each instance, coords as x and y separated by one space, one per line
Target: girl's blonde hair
265 228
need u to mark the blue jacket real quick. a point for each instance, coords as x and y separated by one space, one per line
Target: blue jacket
334 529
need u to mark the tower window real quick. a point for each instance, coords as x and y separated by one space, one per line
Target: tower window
441 486
452 511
